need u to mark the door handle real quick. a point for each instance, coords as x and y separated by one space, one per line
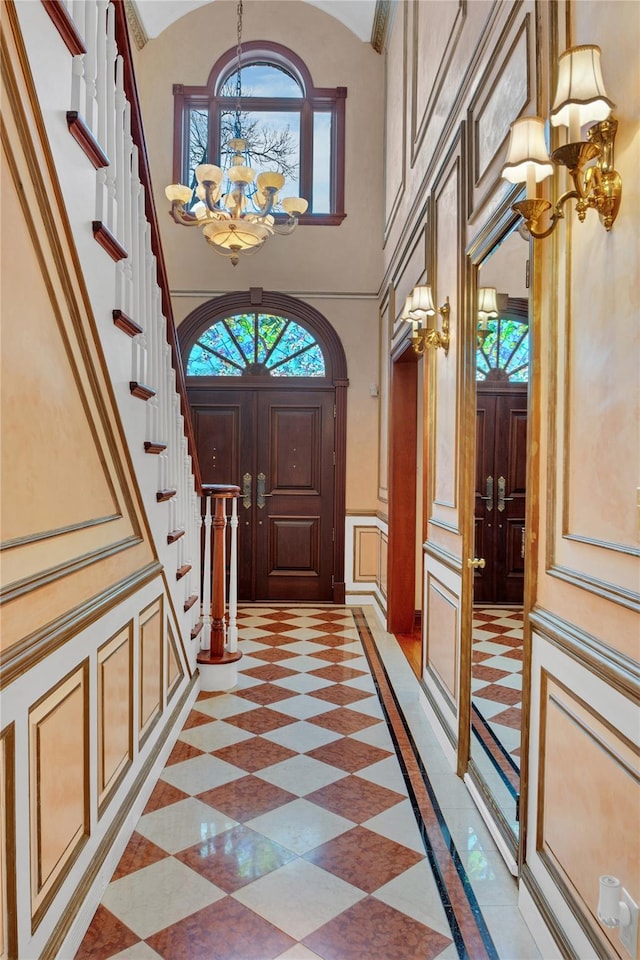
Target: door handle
502 485
261 494
475 563
489 496
522 544
246 490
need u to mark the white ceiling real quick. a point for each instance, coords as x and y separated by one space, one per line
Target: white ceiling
156 15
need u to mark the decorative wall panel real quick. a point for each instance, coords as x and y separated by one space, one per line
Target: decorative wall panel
58 784
8 908
175 671
507 90
150 663
442 634
584 763
437 28
366 557
384 556
385 320
395 117
115 712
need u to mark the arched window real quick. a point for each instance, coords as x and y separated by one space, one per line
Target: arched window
291 126
504 352
255 344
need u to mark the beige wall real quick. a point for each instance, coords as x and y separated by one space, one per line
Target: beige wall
463 73
317 260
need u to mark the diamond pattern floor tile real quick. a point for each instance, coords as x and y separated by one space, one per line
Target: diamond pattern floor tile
281 828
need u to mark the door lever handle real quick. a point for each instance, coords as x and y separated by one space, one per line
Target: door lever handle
475 563
246 490
262 496
489 496
502 485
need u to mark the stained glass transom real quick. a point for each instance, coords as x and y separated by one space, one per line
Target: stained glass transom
256 344
504 354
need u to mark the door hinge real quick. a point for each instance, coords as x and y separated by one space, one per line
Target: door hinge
334 458
333 535
334 411
333 581
518 808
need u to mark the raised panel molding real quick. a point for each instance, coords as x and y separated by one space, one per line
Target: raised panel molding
441 636
295 546
438 74
583 757
58 785
8 902
386 317
507 90
150 667
394 193
115 713
366 553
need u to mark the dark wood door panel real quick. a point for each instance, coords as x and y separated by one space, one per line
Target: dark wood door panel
295 448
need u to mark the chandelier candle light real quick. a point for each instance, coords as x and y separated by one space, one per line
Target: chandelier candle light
240 219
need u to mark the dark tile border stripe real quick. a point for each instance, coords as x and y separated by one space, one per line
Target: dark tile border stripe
503 762
468 928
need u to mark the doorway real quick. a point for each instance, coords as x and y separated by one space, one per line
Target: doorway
280 445
266 382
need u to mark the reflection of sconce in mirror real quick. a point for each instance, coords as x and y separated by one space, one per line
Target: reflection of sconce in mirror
617 909
580 99
487 310
417 307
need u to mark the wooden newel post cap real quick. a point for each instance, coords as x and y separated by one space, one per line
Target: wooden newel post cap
221 491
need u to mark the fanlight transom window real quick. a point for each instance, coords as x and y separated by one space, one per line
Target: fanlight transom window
504 353
256 344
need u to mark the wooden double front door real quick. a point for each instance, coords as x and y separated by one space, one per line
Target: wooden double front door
278 447
501 461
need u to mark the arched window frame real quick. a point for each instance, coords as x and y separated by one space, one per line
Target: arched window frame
314 100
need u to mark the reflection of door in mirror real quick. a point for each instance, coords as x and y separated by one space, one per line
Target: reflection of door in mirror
502 374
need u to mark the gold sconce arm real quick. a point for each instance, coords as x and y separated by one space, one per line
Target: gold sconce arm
426 338
598 186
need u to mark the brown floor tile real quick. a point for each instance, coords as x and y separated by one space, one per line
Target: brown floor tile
337 673
492 628
516 654
261 720
183 751
488 674
340 694
331 616
355 798
331 640
344 720
196 719
509 718
207 694
348 754
335 655
273 628
225 930
138 853
273 654
372 930
163 795
499 694
479 655
246 798
236 857
270 671
266 693
105 937
340 627
254 754
364 858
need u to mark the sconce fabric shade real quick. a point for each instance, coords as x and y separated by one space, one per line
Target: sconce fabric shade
527 153
421 304
580 89
487 303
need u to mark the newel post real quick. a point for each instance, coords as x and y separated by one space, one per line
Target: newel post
218 663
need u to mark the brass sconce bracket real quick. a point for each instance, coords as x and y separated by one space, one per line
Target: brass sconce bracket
598 186
428 337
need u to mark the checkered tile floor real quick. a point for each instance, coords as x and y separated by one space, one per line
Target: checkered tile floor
285 825
496 677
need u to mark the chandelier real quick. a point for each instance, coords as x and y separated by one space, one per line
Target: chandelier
235 208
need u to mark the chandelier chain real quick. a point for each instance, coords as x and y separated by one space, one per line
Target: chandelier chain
238 129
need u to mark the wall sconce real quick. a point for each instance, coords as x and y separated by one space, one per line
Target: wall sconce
580 99
617 909
417 307
487 310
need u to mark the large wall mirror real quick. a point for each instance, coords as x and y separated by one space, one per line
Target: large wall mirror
502 391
